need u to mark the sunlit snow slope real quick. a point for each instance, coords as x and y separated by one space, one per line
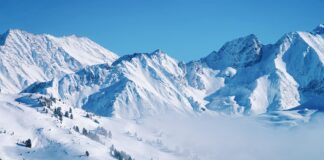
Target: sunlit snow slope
26 58
76 100
243 77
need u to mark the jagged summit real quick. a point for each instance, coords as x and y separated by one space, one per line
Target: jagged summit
239 43
319 29
14 31
157 52
27 57
10 33
147 83
241 52
242 77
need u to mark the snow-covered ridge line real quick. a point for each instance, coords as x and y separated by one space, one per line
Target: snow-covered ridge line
27 57
150 106
243 77
134 55
319 29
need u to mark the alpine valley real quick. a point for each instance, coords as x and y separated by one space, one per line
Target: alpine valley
70 98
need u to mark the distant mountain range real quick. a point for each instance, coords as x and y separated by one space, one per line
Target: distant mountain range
244 77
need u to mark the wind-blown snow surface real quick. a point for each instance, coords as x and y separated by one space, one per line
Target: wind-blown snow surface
243 77
26 58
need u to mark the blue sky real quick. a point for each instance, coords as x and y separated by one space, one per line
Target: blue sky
185 29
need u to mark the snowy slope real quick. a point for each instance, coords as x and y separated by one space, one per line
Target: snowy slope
134 86
159 108
243 77
279 76
26 58
163 137
241 52
53 138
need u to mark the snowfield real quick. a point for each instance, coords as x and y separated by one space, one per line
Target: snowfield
70 98
161 137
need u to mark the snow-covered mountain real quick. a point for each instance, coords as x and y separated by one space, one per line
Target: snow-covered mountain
243 77
133 86
286 75
78 100
26 58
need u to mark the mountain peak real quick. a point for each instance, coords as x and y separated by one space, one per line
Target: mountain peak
319 29
28 57
239 52
251 36
13 31
236 46
158 51
10 33
16 32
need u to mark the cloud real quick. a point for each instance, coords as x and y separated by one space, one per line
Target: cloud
240 138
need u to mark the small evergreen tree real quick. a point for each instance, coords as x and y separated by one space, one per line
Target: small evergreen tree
76 128
88 115
66 114
71 116
84 131
58 113
45 110
28 143
61 118
101 131
120 155
87 153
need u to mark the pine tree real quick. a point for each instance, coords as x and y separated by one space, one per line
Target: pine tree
61 118
88 115
84 131
28 143
66 114
76 128
58 113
